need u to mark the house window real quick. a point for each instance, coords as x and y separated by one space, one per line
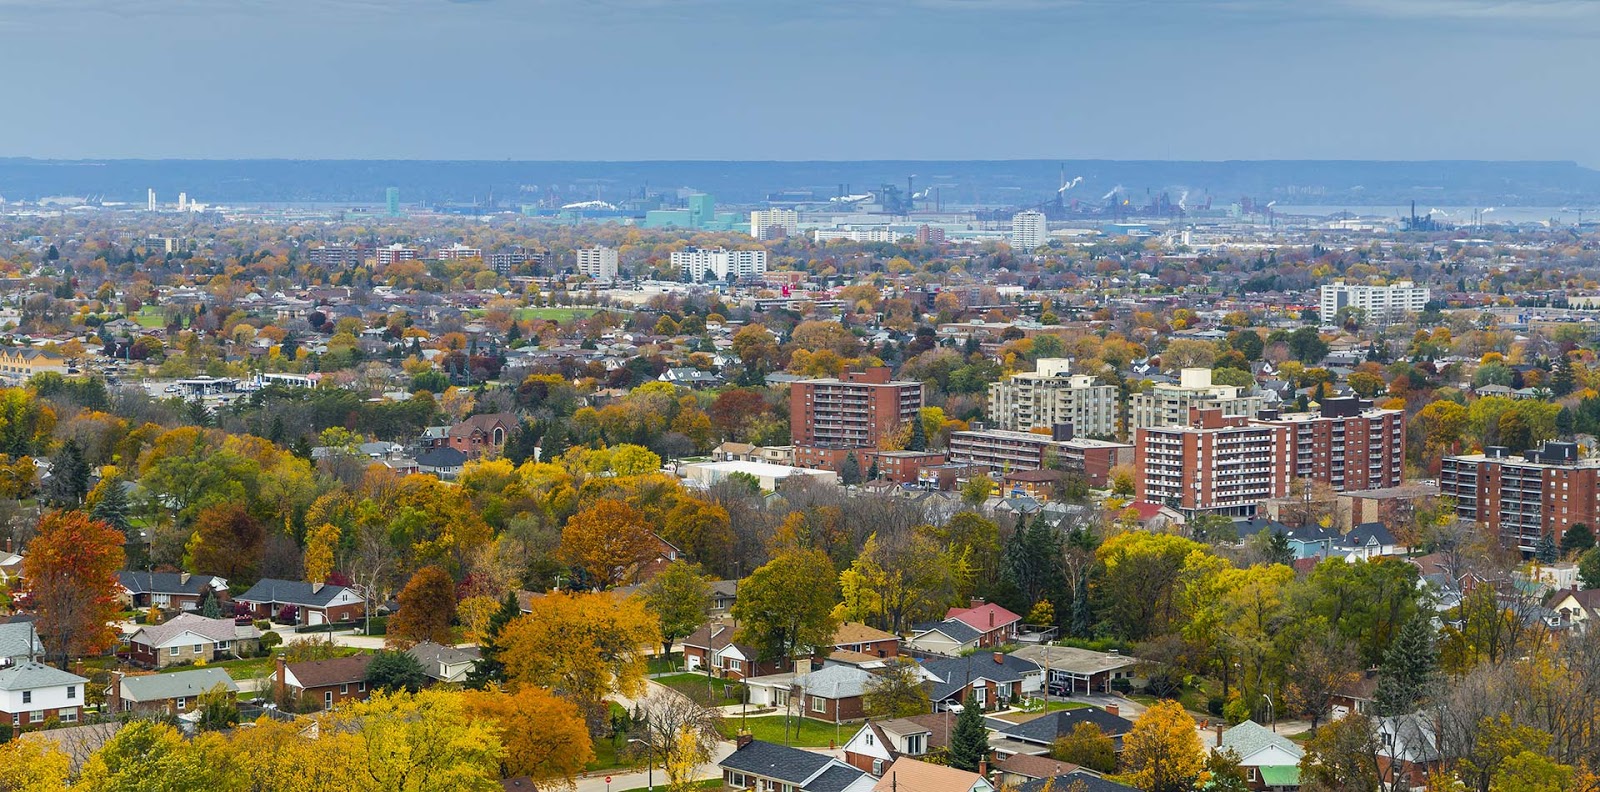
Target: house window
819 704
36 716
69 717
174 651
72 692
869 738
344 690
223 645
1250 774
327 699
197 648
914 745
182 703
27 697
361 687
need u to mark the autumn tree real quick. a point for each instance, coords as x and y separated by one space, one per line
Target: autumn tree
785 607
227 542
680 598
321 542
144 750
1342 756
416 743
33 766
701 529
896 691
544 737
678 731
585 645
427 608
489 668
607 541
1088 746
70 574
1323 666
1163 752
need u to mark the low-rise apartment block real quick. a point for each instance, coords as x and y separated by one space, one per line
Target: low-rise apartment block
1003 451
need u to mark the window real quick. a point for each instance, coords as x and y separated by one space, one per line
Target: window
174 651
914 745
1250 774
361 687
197 648
869 740
877 767
72 692
27 697
344 689
819 704
223 645
327 699
69 717
36 716
182 703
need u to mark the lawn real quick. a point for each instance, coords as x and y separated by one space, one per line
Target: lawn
666 664
709 783
1036 706
812 734
238 669
710 691
150 316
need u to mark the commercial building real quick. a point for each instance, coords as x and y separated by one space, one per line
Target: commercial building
1523 497
1379 303
389 254
1052 395
1218 463
1003 451
1347 444
855 235
700 212
774 223
852 411
700 265
458 251
391 201
1029 230
598 262
1168 405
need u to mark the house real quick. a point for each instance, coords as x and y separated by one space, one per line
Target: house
1079 780
323 683
1408 749
314 603
991 680
877 744
1368 540
1312 541
168 590
446 463
712 646
767 767
1072 670
964 629
832 695
19 364
10 567
480 434
1035 735
1019 769
165 694
723 595
191 638
1576 605
1269 760
915 775
31 693
19 643
858 638
444 663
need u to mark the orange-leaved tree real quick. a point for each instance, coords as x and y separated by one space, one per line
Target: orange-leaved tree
585 645
427 607
544 737
71 577
607 541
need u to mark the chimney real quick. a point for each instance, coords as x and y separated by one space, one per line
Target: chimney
999 658
991 619
977 602
1218 729
316 587
1114 709
280 681
744 739
983 768
114 699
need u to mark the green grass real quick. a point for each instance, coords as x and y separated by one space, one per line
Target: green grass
549 314
1038 705
812 734
238 669
608 757
706 690
150 316
666 664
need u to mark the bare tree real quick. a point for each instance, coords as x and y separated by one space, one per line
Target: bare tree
677 731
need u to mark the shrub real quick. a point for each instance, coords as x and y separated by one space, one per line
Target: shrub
269 641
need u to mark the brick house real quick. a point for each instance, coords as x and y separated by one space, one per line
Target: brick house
879 742
315 603
31 693
991 680
168 590
481 434
712 647
324 683
169 694
859 639
831 695
189 638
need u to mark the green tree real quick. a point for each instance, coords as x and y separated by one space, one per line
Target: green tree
680 597
1225 772
1577 540
395 671
489 667
112 506
1307 346
896 691
785 607
969 740
919 436
218 709
1546 551
1409 668
1589 568
850 471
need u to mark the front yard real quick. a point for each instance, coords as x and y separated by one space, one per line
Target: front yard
802 732
707 691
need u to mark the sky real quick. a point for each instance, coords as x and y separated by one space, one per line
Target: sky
801 79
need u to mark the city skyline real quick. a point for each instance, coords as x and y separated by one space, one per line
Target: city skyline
935 79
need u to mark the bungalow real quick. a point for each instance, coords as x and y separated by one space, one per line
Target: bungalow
481 434
712 647
191 638
168 590
446 463
964 629
1019 769
992 680
314 603
165 694
31 693
877 744
858 638
322 683
1079 780
1270 761
1368 540
1312 541
1576 605
1034 737
915 775
1072 670
444 663
833 694
767 767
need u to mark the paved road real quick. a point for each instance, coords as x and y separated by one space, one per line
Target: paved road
621 781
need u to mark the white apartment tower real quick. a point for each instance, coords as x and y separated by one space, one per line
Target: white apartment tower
699 265
1051 395
1028 230
598 262
150 200
1380 303
1168 405
774 223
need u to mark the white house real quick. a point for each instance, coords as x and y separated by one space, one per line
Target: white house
1269 760
30 693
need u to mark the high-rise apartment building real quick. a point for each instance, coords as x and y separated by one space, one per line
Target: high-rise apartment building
458 251
1168 405
1218 463
929 235
1379 303
389 254
1029 230
338 255
699 265
1347 444
851 411
506 261
1523 498
598 262
391 201
774 223
1051 395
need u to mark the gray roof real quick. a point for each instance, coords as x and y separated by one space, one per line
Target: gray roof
430 655
1090 782
442 458
1250 737
780 762
211 629
160 687
19 640
139 582
958 630
834 779
835 682
32 676
955 673
1074 660
290 592
1049 727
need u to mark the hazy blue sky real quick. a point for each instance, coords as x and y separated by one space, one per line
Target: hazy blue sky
811 79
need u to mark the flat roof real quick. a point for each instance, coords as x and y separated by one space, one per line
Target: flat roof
758 469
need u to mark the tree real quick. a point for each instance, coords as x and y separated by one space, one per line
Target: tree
1225 772
69 476
412 743
111 505
1323 666
703 530
218 709
1407 674
969 740
586 645
427 608
1563 380
1163 752
321 542
680 598
489 668
70 574
227 541
147 755
1545 552
33 766
1342 757
1577 540
1088 746
1589 568
676 731
1307 346
607 541
389 670
544 736
896 691
850 471
919 436
785 607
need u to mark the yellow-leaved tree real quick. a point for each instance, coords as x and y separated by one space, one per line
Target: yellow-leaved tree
320 544
1163 752
586 645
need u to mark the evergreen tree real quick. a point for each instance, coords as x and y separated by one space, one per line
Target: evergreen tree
1565 422
112 507
69 476
1408 668
872 470
919 436
850 471
301 447
969 740
1578 539
1278 550
1546 551
1562 378
489 668
209 606
1082 616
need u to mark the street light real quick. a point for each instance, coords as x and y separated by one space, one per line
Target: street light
1272 711
650 761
